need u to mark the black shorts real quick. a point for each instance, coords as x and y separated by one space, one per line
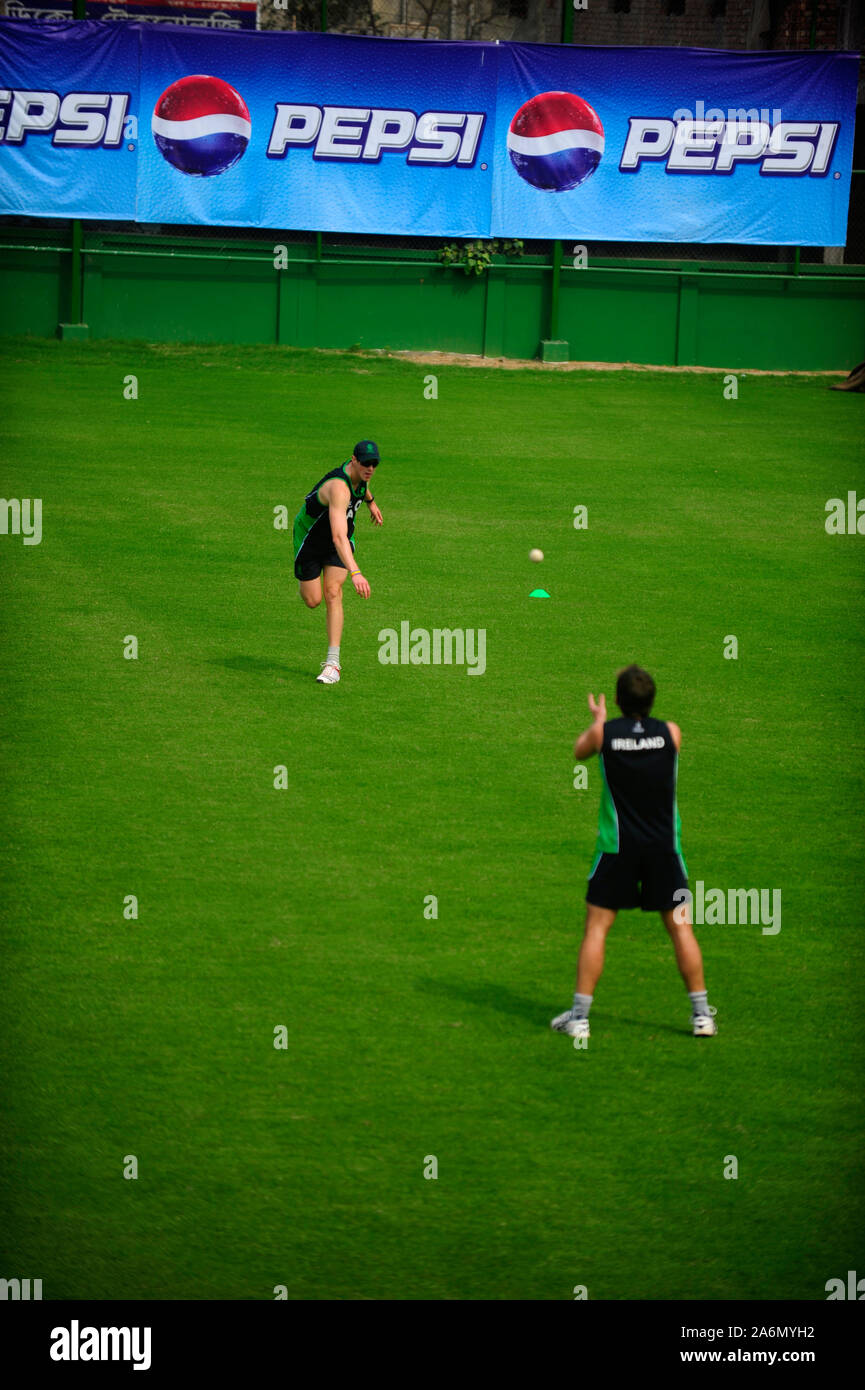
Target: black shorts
643 879
310 566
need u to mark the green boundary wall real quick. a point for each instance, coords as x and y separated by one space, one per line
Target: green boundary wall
131 286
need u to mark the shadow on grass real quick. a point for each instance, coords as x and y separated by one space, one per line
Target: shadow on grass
506 1001
258 666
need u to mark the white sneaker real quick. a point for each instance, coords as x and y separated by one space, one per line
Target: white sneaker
704 1024
574 1027
329 674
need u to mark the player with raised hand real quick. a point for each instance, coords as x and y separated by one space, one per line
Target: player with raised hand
638 856
324 545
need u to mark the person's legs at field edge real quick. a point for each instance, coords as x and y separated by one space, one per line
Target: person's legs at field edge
688 955
590 961
334 578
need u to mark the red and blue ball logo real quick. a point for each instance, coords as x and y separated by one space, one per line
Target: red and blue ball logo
201 125
556 141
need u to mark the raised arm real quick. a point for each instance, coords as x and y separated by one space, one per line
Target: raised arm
592 739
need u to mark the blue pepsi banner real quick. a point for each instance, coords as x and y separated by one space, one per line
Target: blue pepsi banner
328 132
675 144
68 104
317 131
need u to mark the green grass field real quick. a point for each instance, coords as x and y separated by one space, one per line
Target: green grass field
410 1037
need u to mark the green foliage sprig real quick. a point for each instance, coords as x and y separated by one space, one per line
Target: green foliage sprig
474 257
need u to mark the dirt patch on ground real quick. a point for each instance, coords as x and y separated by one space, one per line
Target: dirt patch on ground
466 359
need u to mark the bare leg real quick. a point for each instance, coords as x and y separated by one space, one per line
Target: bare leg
590 961
688 956
334 578
310 592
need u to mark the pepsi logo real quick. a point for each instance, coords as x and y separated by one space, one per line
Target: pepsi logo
201 125
555 141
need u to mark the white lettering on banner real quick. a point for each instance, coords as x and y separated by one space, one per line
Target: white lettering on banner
365 133
716 146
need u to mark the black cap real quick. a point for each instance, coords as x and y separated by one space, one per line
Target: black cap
366 452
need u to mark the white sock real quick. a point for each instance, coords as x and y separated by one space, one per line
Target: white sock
699 1002
333 656
582 1004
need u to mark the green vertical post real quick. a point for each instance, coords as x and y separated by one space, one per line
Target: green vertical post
74 307
553 349
74 315
812 44
567 37
554 290
568 21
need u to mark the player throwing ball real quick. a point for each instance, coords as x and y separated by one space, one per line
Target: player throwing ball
323 544
638 856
